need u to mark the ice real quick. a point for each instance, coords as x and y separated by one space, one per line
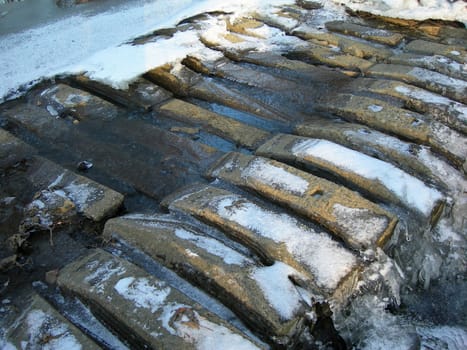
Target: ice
442 337
215 247
411 191
281 294
273 175
145 294
445 233
43 326
328 261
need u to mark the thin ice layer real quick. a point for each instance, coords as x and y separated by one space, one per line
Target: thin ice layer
328 261
407 188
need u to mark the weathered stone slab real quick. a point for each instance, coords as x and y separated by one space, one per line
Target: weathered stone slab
455 53
442 84
240 133
13 150
62 100
322 55
144 311
141 94
243 26
352 47
40 326
185 82
224 68
285 18
273 237
368 33
309 4
359 222
221 271
380 179
413 158
410 125
437 63
449 112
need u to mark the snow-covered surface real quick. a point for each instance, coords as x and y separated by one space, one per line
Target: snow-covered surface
43 326
411 191
430 77
267 173
102 273
412 9
182 320
280 292
96 44
214 247
442 337
82 194
142 292
327 260
428 97
362 225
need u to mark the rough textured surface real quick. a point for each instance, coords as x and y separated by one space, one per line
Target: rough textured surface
314 197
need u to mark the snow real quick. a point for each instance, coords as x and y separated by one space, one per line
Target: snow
281 294
81 194
362 225
411 191
270 174
412 9
144 294
375 108
102 273
182 320
214 247
431 77
43 326
327 260
94 44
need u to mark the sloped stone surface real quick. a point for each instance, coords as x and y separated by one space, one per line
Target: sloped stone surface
340 210
144 311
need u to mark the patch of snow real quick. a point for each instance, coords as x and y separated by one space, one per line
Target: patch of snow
52 111
328 261
182 320
214 247
275 176
454 107
280 292
44 326
412 9
82 194
431 77
375 108
57 181
362 225
102 273
411 191
145 294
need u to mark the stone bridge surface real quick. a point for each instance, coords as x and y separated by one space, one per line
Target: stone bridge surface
221 201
